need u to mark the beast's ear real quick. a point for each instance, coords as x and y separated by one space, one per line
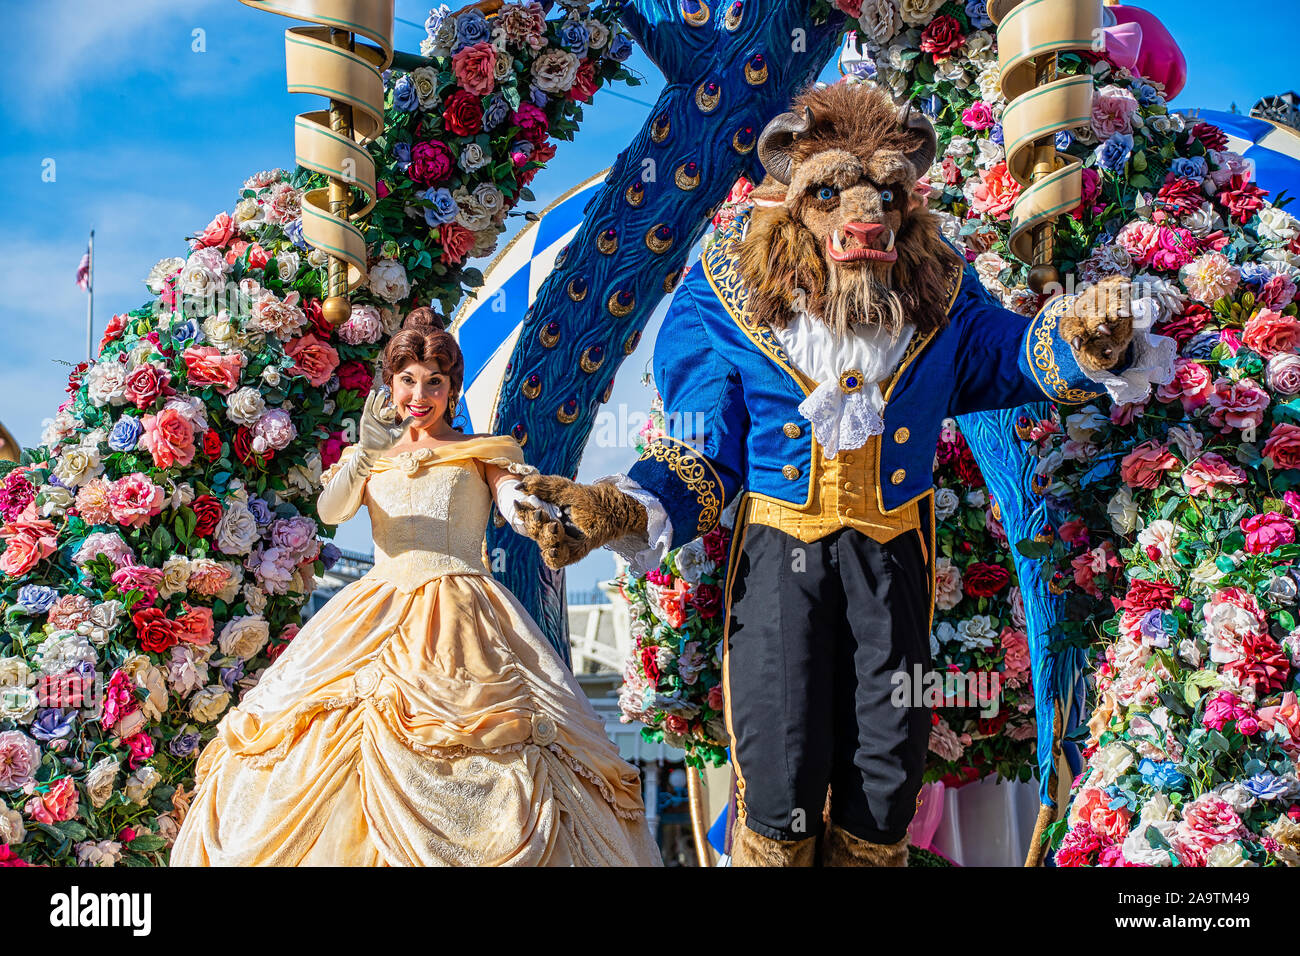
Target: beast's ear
921 156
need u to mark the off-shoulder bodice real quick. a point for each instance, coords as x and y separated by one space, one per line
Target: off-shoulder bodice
429 508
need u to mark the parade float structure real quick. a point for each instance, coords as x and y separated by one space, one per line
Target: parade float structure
161 540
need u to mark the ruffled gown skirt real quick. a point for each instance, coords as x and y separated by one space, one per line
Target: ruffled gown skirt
416 728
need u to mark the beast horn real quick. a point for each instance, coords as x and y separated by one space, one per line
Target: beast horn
774 143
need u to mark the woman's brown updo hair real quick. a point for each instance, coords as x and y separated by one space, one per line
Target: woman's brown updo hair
422 338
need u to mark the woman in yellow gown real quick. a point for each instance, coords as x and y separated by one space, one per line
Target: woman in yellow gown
420 717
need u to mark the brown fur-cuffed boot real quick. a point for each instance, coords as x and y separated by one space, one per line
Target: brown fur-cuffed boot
753 849
842 848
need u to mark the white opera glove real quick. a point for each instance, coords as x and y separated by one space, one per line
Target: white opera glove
343 485
509 497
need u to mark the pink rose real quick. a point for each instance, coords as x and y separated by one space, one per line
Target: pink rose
1283 446
995 193
1278 292
138 577
218 232
1191 385
56 805
1283 373
1146 464
1015 648
1266 532
133 499
1237 404
475 68
169 438
145 383
20 756
1211 471
363 326
979 115
312 358
1270 333
30 540
1112 111
1283 716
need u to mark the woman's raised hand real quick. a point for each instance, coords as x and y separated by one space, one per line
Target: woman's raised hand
380 428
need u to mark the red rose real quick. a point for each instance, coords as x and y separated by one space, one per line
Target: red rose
316 316
195 626
716 544
242 444
463 114
707 599
1211 136
312 358
985 580
585 83
1263 664
968 472
650 664
219 232
1191 320
355 376
155 630
456 242
942 37
331 449
1177 197
431 163
1144 596
209 511
113 331
1241 198
212 444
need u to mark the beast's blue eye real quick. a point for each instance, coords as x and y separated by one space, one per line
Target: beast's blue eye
886 195
825 193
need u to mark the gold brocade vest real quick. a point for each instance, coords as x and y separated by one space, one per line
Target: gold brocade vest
845 494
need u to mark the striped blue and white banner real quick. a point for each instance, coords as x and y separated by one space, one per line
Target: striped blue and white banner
488 325
1272 147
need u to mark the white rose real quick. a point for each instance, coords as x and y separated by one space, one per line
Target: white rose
317 258
959 146
55 500
244 636
946 503
141 783
254 597
287 262
977 632
236 532
208 703
18 703
388 280
1277 225
246 211
106 384
100 780
245 406
1227 854
176 575
953 70
1163 535
221 331
472 157
12 830
97 852
1109 763
918 13
77 465
989 154
162 270
880 20
1137 849
691 561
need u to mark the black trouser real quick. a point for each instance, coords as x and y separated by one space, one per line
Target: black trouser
816 633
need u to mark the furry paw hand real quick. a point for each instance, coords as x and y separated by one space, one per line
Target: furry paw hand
1099 324
593 516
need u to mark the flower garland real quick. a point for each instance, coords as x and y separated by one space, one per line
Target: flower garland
160 543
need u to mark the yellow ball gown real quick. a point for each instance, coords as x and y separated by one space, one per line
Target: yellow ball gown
420 717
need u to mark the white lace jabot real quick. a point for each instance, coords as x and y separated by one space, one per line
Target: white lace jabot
847 406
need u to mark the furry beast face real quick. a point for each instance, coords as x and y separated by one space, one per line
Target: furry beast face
837 229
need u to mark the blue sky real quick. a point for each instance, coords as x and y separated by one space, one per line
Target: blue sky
152 112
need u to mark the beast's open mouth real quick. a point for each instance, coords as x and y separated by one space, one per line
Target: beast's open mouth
862 241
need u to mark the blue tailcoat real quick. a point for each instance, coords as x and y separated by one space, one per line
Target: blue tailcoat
731 399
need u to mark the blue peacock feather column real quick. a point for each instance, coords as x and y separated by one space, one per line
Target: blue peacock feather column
729 70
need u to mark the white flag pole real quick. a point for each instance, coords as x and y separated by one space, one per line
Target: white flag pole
90 301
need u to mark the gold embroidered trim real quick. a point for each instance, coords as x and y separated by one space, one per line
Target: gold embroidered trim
690 468
1038 346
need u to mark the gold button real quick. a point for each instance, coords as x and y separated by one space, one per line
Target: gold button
902 435
848 459
848 512
790 471
848 486
544 730
791 430
898 476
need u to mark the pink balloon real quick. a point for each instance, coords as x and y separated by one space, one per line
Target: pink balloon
1159 58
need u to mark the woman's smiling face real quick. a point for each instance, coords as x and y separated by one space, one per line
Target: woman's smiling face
420 391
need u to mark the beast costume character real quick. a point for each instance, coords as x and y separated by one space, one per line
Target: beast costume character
806 365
